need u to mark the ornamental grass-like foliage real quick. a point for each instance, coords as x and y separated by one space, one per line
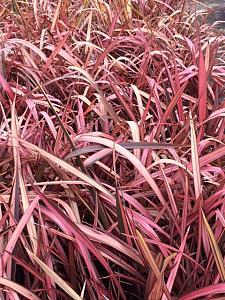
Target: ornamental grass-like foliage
112 154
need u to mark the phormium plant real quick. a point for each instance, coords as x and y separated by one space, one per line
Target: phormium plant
112 176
